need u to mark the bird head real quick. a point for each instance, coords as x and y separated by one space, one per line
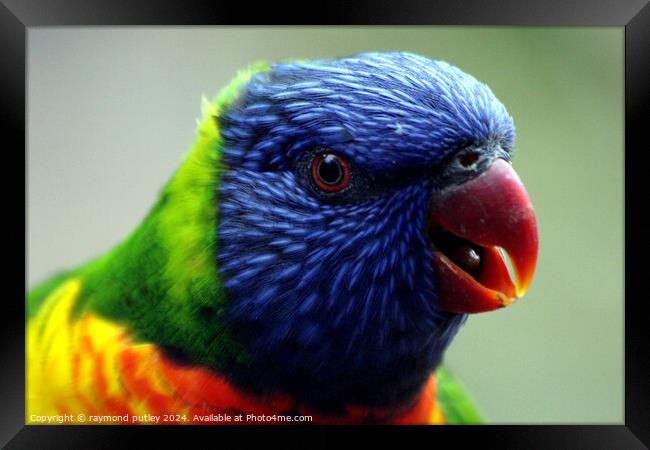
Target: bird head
366 206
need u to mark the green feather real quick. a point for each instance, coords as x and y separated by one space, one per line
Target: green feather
39 293
456 404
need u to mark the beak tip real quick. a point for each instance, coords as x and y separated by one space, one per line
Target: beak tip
523 288
527 268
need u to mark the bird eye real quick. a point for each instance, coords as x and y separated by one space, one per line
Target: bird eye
330 173
468 159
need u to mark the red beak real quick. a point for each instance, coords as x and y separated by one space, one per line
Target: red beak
478 218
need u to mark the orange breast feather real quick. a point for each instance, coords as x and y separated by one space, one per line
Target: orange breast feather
89 370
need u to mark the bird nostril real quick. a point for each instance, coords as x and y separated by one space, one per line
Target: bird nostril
468 159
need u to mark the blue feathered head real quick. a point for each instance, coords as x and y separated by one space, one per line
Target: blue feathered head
331 169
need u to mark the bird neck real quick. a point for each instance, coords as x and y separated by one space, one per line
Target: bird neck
162 281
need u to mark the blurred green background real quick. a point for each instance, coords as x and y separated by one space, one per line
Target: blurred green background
112 110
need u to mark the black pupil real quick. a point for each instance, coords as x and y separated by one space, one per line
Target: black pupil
329 170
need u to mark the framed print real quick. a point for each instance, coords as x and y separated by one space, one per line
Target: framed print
395 217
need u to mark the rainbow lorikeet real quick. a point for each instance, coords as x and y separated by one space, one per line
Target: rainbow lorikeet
325 238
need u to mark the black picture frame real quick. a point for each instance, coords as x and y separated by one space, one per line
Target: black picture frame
634 15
